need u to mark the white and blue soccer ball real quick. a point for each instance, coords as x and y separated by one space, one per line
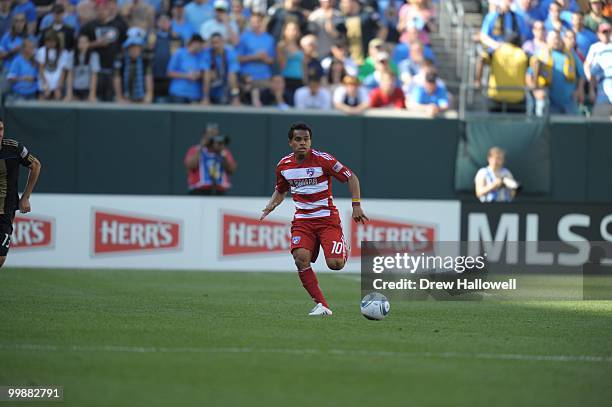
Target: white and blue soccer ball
375 306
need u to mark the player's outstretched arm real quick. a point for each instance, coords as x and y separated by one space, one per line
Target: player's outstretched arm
277 199
358 215
24 202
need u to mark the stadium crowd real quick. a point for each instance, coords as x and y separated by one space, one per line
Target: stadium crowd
559 50
308 54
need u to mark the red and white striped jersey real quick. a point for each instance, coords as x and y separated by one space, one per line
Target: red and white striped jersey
310 183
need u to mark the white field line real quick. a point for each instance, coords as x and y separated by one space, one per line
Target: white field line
323 352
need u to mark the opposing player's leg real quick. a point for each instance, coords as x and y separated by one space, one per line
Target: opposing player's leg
303 244
334 245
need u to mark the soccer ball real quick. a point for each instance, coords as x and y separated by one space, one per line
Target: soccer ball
375 306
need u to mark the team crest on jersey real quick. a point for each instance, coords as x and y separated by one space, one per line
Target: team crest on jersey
296 239
310 172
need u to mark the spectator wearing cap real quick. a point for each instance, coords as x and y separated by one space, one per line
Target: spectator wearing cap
58 24
584 37
83 74
197 12
165 42
359 26
323 22
185 72
417 14
210 164
375 47
179 24
338 63
290 10
595 16
5 16
383 65
53 63
350 97
133 80
290 57
560 72
387 94
256 52
600 72
221 69
27 8
313 95
221 24
23 73
106 34
429 98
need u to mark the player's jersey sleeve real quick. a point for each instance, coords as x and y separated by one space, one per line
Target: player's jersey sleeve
282 185
334 167
25 157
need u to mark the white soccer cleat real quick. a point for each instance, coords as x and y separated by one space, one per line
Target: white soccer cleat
320 309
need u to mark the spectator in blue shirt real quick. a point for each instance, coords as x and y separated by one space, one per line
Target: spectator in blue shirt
180 25
5 16
554 22
23 73
430 97
185 72
529 11
66 15
498 24
199 11
165 41
221 69
584 37
571 6
256 52
29 9
11 41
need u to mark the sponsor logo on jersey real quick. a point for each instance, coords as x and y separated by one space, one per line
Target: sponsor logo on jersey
243 234
126 233
416 237
33 232
296 183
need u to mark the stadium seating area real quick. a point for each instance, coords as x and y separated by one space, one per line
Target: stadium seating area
307 54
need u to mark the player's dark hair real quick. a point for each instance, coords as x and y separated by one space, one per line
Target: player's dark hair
299 126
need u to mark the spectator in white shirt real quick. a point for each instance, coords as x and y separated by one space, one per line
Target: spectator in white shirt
350 97
222 24
495 183
313 96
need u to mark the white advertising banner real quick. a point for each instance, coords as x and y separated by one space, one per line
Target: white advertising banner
194 233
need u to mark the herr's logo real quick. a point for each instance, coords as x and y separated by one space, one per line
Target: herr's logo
126 233
33 232
243 234
419 236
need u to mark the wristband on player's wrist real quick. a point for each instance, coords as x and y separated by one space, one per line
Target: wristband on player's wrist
356 202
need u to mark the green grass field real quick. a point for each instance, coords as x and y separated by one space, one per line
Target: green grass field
152 338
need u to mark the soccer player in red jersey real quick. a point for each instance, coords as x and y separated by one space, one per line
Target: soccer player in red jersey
307 173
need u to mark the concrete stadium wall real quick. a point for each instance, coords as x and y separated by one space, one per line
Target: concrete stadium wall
115 149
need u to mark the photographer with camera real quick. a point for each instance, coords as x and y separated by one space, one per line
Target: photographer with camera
210 164
495 183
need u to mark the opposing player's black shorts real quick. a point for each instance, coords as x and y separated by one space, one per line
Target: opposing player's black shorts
6 230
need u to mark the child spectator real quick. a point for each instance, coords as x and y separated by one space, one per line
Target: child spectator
133 78
351 98
83 77
387 94
57 23
53 64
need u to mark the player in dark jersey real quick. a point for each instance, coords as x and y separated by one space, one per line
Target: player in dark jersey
308 173
12 155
